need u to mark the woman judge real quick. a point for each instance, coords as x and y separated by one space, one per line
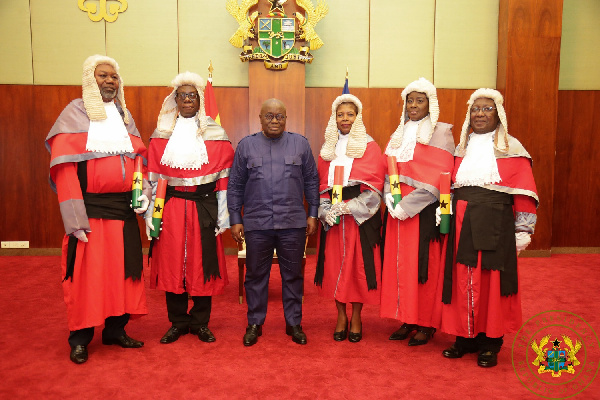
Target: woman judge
494 204
349 262
412 263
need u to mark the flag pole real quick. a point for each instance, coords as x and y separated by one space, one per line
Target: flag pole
346 89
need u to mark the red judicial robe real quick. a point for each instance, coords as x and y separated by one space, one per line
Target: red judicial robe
477 305
344 272
98 288
177 254
402 296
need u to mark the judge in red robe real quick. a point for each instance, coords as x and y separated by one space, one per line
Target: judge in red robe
412 262
194 155
349 260
494 203
93 145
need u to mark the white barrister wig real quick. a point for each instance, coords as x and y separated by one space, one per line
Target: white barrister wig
357 139
169 112
92 99
421 85
501 137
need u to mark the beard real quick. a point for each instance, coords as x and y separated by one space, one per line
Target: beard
108 93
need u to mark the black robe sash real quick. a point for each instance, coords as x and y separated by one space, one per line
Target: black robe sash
488 227
207 207
114 206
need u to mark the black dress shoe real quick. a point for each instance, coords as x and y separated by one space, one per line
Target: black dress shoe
341 335
487 359
456 352
252 334
173 334
428 332
403 332
79 354
296 333
124 341
205 334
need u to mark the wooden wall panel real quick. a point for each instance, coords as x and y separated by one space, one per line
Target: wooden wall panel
233 110
31 212
453 108
532 31
144 103
577 171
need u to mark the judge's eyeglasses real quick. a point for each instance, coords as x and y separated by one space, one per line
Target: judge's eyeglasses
486 110
182 96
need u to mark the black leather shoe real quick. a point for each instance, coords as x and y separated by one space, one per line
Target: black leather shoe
205 334
403 332
296 333
79 354
428 332
173 334
124 341
487 359
341 335
252 334
456 352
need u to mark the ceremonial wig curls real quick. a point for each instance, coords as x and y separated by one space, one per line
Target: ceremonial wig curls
169 112
421 85
92 99
501 138
357 139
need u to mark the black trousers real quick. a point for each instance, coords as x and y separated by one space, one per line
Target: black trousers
480 343
177 309
114 327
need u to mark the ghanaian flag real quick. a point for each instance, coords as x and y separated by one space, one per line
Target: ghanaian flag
210 104
394 179
159 204
445 201
338 184
136 186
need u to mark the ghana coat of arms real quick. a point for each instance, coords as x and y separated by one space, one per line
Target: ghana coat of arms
277 33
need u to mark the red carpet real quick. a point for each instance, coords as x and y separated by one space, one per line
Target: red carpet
35 363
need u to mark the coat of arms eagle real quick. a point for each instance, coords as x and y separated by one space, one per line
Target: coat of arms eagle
240 13
307 24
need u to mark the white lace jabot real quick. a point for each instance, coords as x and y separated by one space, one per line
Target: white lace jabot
406 151
479 166
185 148
109 135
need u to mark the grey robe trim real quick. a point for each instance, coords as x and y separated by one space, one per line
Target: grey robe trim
362 207
199 180
74 215
352 183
